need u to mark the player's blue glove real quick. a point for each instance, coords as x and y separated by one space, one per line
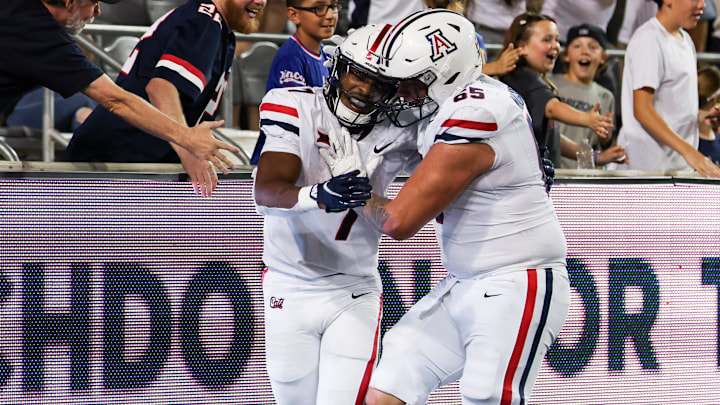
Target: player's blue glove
342 192
549 170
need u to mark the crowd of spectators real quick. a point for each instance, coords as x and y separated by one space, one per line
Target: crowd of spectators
38 51
588 87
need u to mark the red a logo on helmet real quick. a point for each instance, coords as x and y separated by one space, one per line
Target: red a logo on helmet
440 45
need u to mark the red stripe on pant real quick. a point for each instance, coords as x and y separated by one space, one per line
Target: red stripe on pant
522 336
371 364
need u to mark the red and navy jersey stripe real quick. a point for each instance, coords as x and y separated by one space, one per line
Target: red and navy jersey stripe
278 108
458 131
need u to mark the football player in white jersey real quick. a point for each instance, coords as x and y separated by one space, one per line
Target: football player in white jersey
491 321
322 290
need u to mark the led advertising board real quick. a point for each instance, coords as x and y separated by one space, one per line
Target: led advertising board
130 291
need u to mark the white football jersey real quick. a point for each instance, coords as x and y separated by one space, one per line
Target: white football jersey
504 220
314 244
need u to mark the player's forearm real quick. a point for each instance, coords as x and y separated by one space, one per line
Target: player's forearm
387 219
275 179
276 194
278 206
374 212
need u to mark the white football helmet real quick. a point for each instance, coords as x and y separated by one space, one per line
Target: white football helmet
354 57
438 48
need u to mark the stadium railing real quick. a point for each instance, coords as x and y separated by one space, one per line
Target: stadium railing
51 138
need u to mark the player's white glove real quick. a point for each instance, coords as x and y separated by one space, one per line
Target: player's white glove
343 156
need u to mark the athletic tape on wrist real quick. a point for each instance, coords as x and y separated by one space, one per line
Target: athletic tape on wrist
305 200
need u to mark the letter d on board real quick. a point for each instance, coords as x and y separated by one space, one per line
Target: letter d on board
121 280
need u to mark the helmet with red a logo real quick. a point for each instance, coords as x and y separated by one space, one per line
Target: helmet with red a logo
356 66
437 47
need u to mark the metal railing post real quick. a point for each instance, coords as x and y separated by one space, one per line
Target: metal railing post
48 126
228 101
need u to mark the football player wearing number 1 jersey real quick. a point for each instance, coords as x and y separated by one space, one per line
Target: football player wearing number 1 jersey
322 290
181 65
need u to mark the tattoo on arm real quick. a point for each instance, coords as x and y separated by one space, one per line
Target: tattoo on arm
374 212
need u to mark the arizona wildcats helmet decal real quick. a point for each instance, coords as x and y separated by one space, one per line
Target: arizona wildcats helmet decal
440 45
393 37
372 52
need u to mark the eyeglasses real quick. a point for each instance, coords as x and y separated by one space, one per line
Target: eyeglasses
712 96
322 10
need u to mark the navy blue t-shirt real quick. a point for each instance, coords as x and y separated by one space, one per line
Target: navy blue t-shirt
294 65
192 48
711 149
37 51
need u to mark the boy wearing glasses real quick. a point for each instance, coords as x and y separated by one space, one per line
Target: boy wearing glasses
299 61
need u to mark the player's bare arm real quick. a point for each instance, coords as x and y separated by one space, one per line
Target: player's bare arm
275 187
138 112
439 179
375 212
166 98
275 179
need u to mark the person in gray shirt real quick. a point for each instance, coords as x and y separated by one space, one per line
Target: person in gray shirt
585 56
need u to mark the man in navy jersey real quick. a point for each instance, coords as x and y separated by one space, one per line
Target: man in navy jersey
181 65
300 61
37 50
